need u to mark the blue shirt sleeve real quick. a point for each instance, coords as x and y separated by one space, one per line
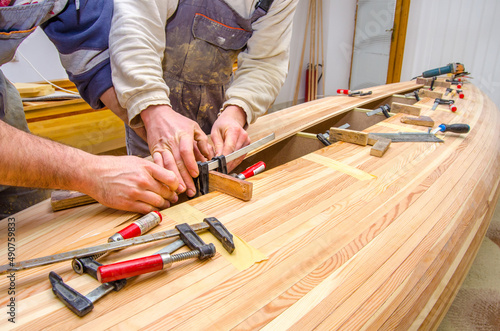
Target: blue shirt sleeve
81 36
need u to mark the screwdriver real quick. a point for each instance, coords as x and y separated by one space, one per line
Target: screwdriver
456 128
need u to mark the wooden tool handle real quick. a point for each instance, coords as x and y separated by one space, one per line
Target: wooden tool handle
126 269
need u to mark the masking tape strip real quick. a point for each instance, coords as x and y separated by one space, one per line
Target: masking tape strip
342 167
398 127
243 256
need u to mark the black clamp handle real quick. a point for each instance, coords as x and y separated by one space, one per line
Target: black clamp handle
221 233
444 101
432 83
74 300
385 110
321 137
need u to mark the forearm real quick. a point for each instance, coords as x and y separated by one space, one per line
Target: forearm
109 99
31 161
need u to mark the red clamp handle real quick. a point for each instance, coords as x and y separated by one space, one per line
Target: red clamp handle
257 168
342 91
139 227
126 269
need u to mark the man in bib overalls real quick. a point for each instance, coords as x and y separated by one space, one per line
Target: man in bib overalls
172 63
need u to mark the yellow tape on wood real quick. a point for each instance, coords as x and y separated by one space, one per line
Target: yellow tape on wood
401 128
244 255
342 167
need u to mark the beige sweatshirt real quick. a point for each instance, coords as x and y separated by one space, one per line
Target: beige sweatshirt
137 49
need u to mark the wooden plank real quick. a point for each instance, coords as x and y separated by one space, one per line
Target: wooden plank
424 93
437 82
61 199
397 107
380 147
234 187
350 136
30 90
421 120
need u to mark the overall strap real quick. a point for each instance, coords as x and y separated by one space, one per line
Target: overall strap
264 5
261 9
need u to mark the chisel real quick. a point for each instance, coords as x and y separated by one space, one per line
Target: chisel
456 128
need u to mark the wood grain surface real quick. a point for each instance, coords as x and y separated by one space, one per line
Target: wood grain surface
352 241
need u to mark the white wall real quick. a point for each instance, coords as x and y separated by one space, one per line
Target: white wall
338 21
445 31
38 49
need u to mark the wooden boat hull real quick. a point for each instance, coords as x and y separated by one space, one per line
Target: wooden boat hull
350 241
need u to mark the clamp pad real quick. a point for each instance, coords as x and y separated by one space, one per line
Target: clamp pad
201 182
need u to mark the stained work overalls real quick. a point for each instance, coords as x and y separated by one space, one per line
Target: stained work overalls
203 40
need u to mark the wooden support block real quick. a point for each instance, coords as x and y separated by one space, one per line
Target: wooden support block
380 147
372 139
60 200
30 90
430 94
350 136
397 107
425 81
421 120
232 186
437 83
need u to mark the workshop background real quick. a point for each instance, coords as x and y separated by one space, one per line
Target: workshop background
438 32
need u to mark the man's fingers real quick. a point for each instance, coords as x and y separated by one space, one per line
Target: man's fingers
186 151
170 164
217 141
204 147
165 177
158 159
197 154
154 200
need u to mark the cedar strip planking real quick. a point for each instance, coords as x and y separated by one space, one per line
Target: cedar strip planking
314 223
169 325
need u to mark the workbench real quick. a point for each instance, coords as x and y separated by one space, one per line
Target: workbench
336 238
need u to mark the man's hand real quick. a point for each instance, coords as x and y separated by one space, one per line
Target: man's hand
228 134
176 143
121 182
130 183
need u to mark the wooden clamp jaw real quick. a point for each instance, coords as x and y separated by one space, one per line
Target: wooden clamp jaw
219 180
380 145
